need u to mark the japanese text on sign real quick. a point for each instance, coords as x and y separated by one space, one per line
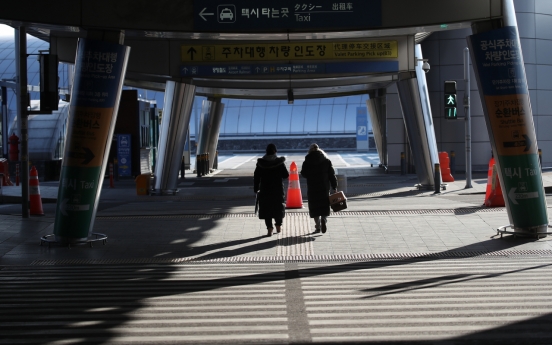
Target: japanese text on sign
290 51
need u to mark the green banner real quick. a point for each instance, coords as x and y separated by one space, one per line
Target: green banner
76 197
523 189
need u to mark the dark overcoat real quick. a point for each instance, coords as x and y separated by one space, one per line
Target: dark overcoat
320 175
269 181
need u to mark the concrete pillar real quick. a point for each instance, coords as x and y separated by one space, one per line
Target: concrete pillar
376 111
179 99
500 74
414 99
215 118
209 128
99 75
203 132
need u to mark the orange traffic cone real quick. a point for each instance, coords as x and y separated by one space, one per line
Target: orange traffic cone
493 194
444 161
34 194
294 198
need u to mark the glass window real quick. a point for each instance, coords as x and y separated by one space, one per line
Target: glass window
33 79
350 119
311 119
259 103
328 100
271 119
195 118
284 119
257 123
7 53
324 118
244 124
232 118
300 102
7 67
247 103
315 101
298 119
338 118
232 103
274 103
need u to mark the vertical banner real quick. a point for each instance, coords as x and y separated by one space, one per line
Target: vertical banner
362 129
500 72
99 74
123 154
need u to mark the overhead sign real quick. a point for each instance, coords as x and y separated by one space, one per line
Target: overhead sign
275 69
252 15
232 52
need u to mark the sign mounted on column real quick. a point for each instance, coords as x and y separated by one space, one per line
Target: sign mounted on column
99 73
502 81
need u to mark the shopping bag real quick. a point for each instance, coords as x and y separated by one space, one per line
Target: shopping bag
338 201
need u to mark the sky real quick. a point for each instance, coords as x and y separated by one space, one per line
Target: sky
6 30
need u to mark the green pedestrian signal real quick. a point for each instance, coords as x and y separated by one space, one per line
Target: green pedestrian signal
450 100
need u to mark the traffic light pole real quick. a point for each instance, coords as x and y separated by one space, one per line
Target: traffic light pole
467 115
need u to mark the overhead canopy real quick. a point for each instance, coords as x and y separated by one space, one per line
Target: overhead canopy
334 49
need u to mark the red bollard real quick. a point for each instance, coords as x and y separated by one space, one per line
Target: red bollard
444 161
111 183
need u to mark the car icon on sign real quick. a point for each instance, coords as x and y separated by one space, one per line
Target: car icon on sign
226 13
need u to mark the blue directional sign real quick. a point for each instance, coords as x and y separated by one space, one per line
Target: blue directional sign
275 69
123 154
254 15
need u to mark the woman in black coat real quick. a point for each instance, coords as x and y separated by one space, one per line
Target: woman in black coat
269 183
320 175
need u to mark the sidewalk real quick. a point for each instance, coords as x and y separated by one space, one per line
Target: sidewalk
387 215
401 266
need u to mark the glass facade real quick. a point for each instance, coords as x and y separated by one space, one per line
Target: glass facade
278 118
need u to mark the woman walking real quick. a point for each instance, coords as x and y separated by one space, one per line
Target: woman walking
320 175
269 184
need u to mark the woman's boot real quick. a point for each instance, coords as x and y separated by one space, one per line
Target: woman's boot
269 232
278 228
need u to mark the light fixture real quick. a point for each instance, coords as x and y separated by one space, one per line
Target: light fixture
290 96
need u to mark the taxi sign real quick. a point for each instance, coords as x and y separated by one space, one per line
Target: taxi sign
248 15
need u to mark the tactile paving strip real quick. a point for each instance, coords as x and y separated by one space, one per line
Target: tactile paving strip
301 214
305 258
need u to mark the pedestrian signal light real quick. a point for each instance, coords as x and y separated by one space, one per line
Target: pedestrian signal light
450 100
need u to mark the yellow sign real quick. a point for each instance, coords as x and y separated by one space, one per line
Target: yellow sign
509 115
235 52
90 128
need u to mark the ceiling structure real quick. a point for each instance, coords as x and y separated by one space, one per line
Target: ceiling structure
157 32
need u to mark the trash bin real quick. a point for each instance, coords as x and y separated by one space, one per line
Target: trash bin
342 183
143 184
